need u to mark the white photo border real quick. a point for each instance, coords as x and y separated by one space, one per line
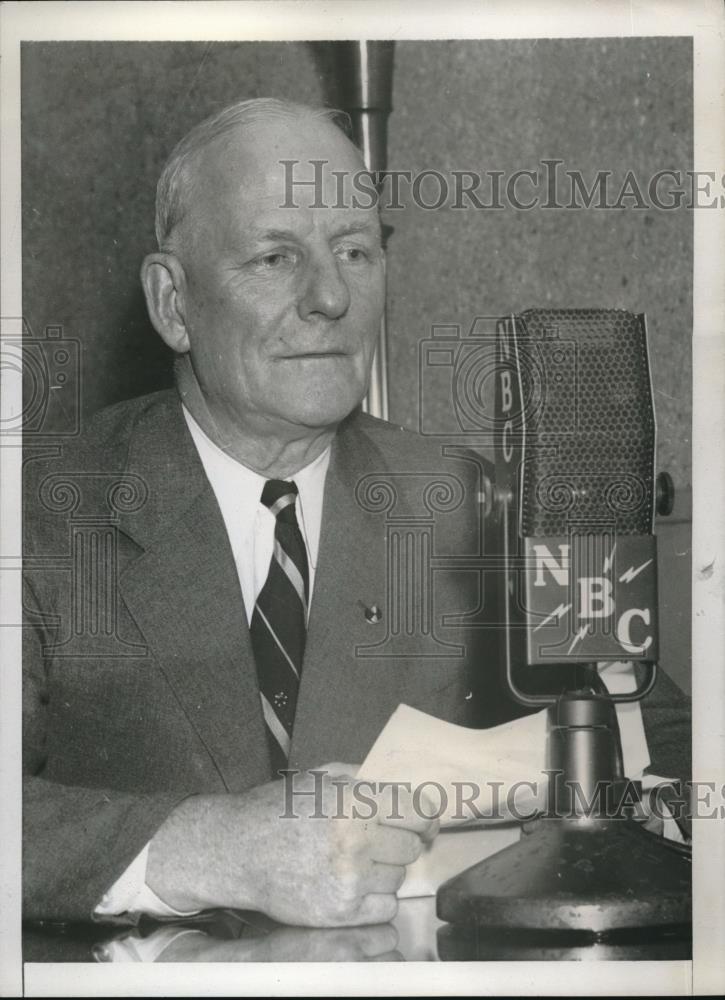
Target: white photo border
298 20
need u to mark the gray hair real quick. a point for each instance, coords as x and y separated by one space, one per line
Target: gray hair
171 189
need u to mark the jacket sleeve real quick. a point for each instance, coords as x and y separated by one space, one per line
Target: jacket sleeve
76 841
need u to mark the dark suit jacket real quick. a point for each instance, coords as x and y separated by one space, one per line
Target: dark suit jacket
140 685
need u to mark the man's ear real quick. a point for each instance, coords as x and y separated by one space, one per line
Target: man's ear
164 281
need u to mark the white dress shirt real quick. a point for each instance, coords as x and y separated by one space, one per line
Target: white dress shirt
250 528
249 524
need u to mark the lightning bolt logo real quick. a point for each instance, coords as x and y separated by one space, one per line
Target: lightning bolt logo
557 613
609 561
578 637
630 574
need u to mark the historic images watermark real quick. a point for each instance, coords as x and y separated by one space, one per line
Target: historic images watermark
514 385
550 184
469 364
88 507
49 366
92 506
322 794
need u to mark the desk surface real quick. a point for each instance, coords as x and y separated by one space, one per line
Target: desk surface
415 935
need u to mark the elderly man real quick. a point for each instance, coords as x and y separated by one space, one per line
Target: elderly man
249 574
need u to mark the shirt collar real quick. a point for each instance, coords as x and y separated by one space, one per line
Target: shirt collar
235 483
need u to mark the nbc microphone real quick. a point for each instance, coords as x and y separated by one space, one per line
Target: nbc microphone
573 505
575 458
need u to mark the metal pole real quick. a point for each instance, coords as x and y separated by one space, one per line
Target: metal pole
365 81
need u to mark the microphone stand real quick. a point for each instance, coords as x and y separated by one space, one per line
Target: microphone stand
586 864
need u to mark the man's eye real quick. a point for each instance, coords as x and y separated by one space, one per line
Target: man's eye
272 260
352 254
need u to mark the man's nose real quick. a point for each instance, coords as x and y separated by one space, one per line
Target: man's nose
325 292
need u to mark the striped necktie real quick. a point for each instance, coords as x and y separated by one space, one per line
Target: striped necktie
279 623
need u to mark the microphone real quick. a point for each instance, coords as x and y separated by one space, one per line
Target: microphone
574 440
573 502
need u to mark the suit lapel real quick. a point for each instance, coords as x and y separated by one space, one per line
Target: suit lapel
198 632
184 593
341 696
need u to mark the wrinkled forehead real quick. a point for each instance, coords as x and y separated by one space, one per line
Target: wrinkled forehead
278 171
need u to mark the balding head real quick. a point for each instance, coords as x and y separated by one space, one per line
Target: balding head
180 173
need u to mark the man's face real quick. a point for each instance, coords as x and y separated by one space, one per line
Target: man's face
282 305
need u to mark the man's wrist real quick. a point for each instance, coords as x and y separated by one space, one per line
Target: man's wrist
130 893
187 864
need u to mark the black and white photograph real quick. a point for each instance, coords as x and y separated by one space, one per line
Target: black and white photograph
362 479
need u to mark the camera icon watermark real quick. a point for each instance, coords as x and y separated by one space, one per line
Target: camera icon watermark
48 367
501 371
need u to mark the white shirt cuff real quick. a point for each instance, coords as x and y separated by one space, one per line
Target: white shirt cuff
130 894
135 949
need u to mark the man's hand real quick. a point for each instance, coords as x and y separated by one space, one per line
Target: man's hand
327 859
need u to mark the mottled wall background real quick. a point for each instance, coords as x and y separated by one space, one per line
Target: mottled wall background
100 118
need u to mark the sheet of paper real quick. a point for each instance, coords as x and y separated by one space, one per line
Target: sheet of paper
453 767
454 850
499 771
619 678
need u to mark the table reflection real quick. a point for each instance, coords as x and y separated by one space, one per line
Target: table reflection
279 944
238 936
416 935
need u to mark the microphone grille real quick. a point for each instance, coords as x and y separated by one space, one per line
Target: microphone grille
590 425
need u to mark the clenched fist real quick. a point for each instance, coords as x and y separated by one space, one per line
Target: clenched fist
318 853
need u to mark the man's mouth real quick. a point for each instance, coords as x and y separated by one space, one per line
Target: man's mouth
303 355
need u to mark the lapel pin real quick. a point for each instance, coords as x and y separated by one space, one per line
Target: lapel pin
373 615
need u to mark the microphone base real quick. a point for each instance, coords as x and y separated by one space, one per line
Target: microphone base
595 875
